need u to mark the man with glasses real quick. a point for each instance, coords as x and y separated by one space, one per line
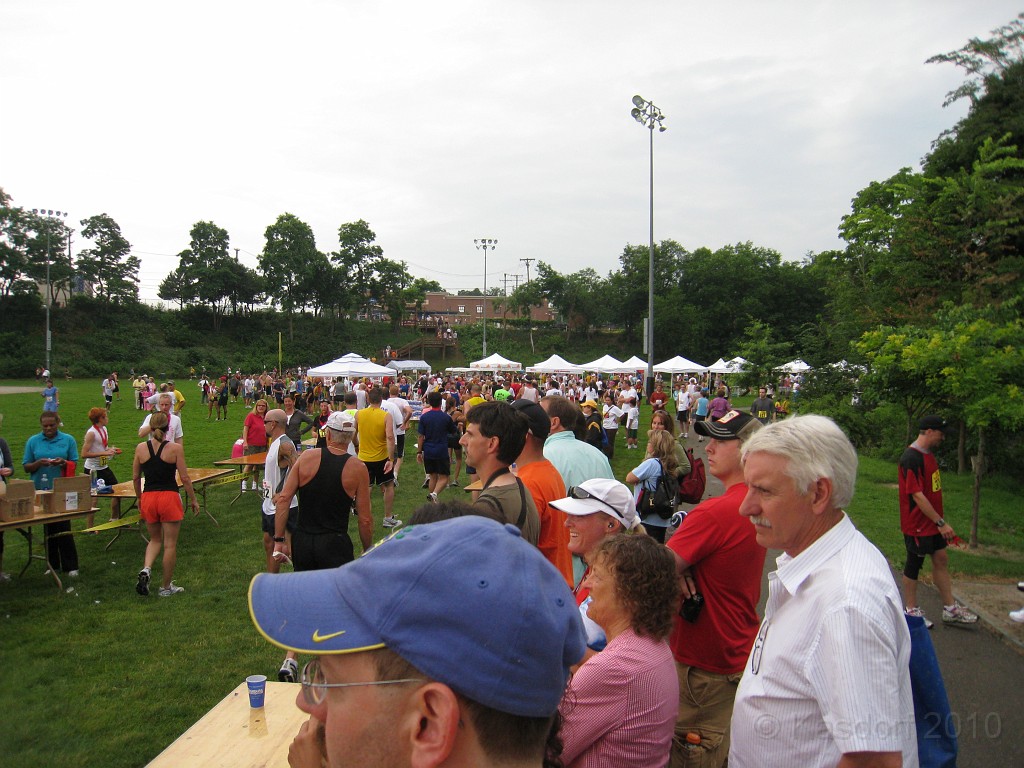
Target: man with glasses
447 644
718 558
828 680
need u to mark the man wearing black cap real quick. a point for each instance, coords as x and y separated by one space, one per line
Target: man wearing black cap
718 556
448 644
545 485
925 530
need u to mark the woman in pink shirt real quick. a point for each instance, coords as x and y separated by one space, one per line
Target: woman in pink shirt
619 709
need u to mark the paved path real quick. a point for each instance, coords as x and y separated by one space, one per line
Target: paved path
982 666
20 390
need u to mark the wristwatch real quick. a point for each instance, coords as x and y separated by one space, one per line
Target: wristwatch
279 538
940 523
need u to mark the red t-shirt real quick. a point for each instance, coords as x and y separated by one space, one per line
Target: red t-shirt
658 400
727 563
257 434
546 485
919 473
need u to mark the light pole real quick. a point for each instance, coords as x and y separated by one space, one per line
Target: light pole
48 214
648 115
485 243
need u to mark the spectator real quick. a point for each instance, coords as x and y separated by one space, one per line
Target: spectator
830 666
435 430
46 458
575 460
611 415
661 460
620 706
720 405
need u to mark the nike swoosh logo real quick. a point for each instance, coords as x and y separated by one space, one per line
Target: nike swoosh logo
318 638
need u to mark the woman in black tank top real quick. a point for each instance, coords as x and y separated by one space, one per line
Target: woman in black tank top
159 502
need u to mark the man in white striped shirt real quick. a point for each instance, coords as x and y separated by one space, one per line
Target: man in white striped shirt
828 681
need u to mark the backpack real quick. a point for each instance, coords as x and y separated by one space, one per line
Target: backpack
662 501
691 489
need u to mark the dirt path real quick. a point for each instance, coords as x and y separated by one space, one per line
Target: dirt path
19 390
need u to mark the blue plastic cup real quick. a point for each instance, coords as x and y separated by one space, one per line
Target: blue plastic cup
257 690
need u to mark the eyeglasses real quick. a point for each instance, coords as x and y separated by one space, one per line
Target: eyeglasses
315 685
576 492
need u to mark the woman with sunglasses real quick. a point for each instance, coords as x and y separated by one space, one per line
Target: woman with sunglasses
595 510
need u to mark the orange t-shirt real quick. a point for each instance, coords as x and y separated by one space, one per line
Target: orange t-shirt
546 485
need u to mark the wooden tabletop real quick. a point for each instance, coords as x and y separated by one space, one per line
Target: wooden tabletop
234 735
252 459
40 519
198 476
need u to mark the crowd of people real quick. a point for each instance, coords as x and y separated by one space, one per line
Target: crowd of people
557 617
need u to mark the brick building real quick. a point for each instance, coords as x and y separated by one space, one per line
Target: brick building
463 310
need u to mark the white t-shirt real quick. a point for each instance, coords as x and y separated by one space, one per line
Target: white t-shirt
611 416
393 405
633 417
174 433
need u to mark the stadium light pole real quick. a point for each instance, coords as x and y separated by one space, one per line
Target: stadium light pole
59 215
649 116
485 243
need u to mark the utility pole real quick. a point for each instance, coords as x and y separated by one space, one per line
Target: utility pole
527 262
236 253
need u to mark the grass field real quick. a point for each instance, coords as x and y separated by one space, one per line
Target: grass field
100 676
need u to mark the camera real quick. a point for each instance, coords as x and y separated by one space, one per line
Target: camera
691 607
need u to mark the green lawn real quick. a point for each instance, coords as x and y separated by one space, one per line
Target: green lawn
102 677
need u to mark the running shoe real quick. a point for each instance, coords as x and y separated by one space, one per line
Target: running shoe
391 522
915 611
289 671
957 614
171 589
142 587
1017 616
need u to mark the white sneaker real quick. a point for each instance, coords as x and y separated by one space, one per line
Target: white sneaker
957 614
1017 616
391 522
172 589
915 611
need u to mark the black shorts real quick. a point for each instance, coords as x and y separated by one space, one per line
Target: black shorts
683 416
400 445
924 545
377 474
269 520
454 444
106 475
313 551
437 466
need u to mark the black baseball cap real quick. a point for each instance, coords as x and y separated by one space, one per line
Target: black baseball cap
932 422
540 422
734 425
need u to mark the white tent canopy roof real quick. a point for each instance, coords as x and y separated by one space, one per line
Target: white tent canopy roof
795 366
351 364
496 363
409 365
555 364
731 366
605 364
679 364
634 364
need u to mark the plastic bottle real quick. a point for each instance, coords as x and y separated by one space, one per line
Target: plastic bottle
93 482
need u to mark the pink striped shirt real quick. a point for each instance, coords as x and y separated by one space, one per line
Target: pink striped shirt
619 709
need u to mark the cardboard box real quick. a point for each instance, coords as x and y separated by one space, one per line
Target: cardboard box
70 494
17 498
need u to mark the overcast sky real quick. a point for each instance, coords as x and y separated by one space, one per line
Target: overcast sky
440 122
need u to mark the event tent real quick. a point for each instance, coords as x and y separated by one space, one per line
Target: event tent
795 366
605 364
409 365
679 364
496 363
634 364
351 365
555 364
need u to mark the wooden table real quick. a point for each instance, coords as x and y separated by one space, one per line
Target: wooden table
252 460
24 527
201 477
234 735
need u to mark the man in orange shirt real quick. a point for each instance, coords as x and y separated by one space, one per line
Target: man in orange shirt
545 484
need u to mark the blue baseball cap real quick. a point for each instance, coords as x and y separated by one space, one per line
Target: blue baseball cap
466 601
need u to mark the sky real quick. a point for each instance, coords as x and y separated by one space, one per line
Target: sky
444 122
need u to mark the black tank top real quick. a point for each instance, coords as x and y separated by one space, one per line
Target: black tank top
158 473
324 507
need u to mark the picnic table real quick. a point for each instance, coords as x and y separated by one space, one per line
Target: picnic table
252 460
24 527
234 735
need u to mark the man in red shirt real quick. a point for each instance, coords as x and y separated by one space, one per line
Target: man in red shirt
718 556
658 397
925 531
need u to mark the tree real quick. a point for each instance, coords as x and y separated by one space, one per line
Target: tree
972 357
357 255
14 256
286 262
388 286
109 265
763 353
206 274
416 293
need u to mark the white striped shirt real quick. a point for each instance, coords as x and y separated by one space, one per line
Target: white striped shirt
829 671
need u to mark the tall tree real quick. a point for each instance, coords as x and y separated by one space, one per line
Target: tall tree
358 256
14 255
287 261
388 286
109 265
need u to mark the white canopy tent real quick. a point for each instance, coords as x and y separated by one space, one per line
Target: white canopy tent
738 362
496 363
634 364
679 364
795 366
555 364
349 365
409 365
605 364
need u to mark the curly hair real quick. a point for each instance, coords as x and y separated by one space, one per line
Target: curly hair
645 578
